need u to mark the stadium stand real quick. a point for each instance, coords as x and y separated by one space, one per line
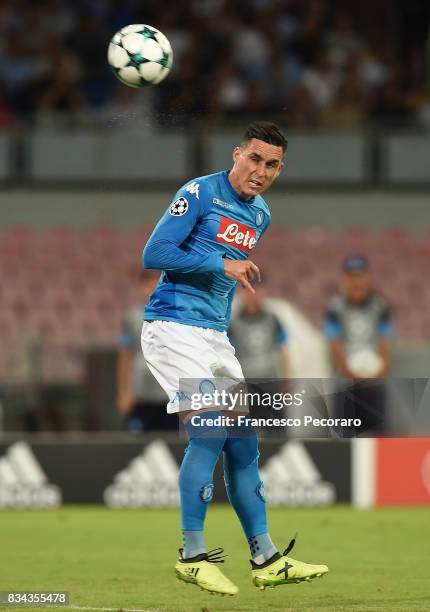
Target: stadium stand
68 289
316 64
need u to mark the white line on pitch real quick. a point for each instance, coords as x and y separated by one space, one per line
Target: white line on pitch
117 609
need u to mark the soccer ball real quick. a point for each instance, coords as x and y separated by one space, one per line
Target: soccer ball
140 55
364 362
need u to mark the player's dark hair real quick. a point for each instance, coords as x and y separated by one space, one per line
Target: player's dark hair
267 132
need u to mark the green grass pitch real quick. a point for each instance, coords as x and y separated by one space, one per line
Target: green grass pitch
123 559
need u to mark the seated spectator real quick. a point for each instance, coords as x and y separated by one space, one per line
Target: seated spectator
347 110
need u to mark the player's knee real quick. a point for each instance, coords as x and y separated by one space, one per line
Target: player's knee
201 455
241 453
196 484
206 426
196 478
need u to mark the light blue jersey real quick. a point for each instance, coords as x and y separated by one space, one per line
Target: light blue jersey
206 222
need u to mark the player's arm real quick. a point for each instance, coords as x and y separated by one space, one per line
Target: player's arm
164 249
385 332
384 347
285 362
282 340
243 271
124 373
338 356
333 333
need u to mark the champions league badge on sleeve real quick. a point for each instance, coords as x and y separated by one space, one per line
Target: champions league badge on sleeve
179 207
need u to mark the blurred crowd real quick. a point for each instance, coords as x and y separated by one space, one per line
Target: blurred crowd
314 63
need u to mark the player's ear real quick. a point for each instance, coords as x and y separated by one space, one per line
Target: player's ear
237 151
279 170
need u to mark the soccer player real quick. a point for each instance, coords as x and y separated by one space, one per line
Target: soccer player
201 245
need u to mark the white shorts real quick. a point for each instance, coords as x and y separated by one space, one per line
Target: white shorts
182 356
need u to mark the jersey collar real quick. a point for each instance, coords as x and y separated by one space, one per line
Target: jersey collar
362 304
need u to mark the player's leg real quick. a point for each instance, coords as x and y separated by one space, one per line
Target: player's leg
245 489
196 480
246 494
174 352
195 564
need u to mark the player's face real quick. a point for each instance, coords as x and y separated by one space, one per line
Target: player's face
256 166
252 302
357 287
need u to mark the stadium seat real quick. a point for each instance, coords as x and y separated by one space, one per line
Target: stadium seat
71 287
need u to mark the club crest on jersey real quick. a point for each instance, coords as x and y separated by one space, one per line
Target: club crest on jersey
237 234
179 207
207 386
193 188
259 218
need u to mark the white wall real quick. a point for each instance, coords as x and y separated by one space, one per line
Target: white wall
80 207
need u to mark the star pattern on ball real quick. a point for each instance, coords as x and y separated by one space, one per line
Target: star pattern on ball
140 55
149 33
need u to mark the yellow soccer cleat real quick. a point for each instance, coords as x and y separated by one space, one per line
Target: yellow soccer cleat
201 571
284 570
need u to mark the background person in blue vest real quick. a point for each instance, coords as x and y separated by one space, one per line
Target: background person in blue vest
359 329
261 345
140 399
258 336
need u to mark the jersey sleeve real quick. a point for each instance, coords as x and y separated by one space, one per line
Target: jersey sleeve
126 339
332 325
164 250
281 334
385 326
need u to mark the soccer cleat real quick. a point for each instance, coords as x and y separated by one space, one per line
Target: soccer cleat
201 571
284 570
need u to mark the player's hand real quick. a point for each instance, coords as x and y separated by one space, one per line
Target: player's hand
125 402
243 271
